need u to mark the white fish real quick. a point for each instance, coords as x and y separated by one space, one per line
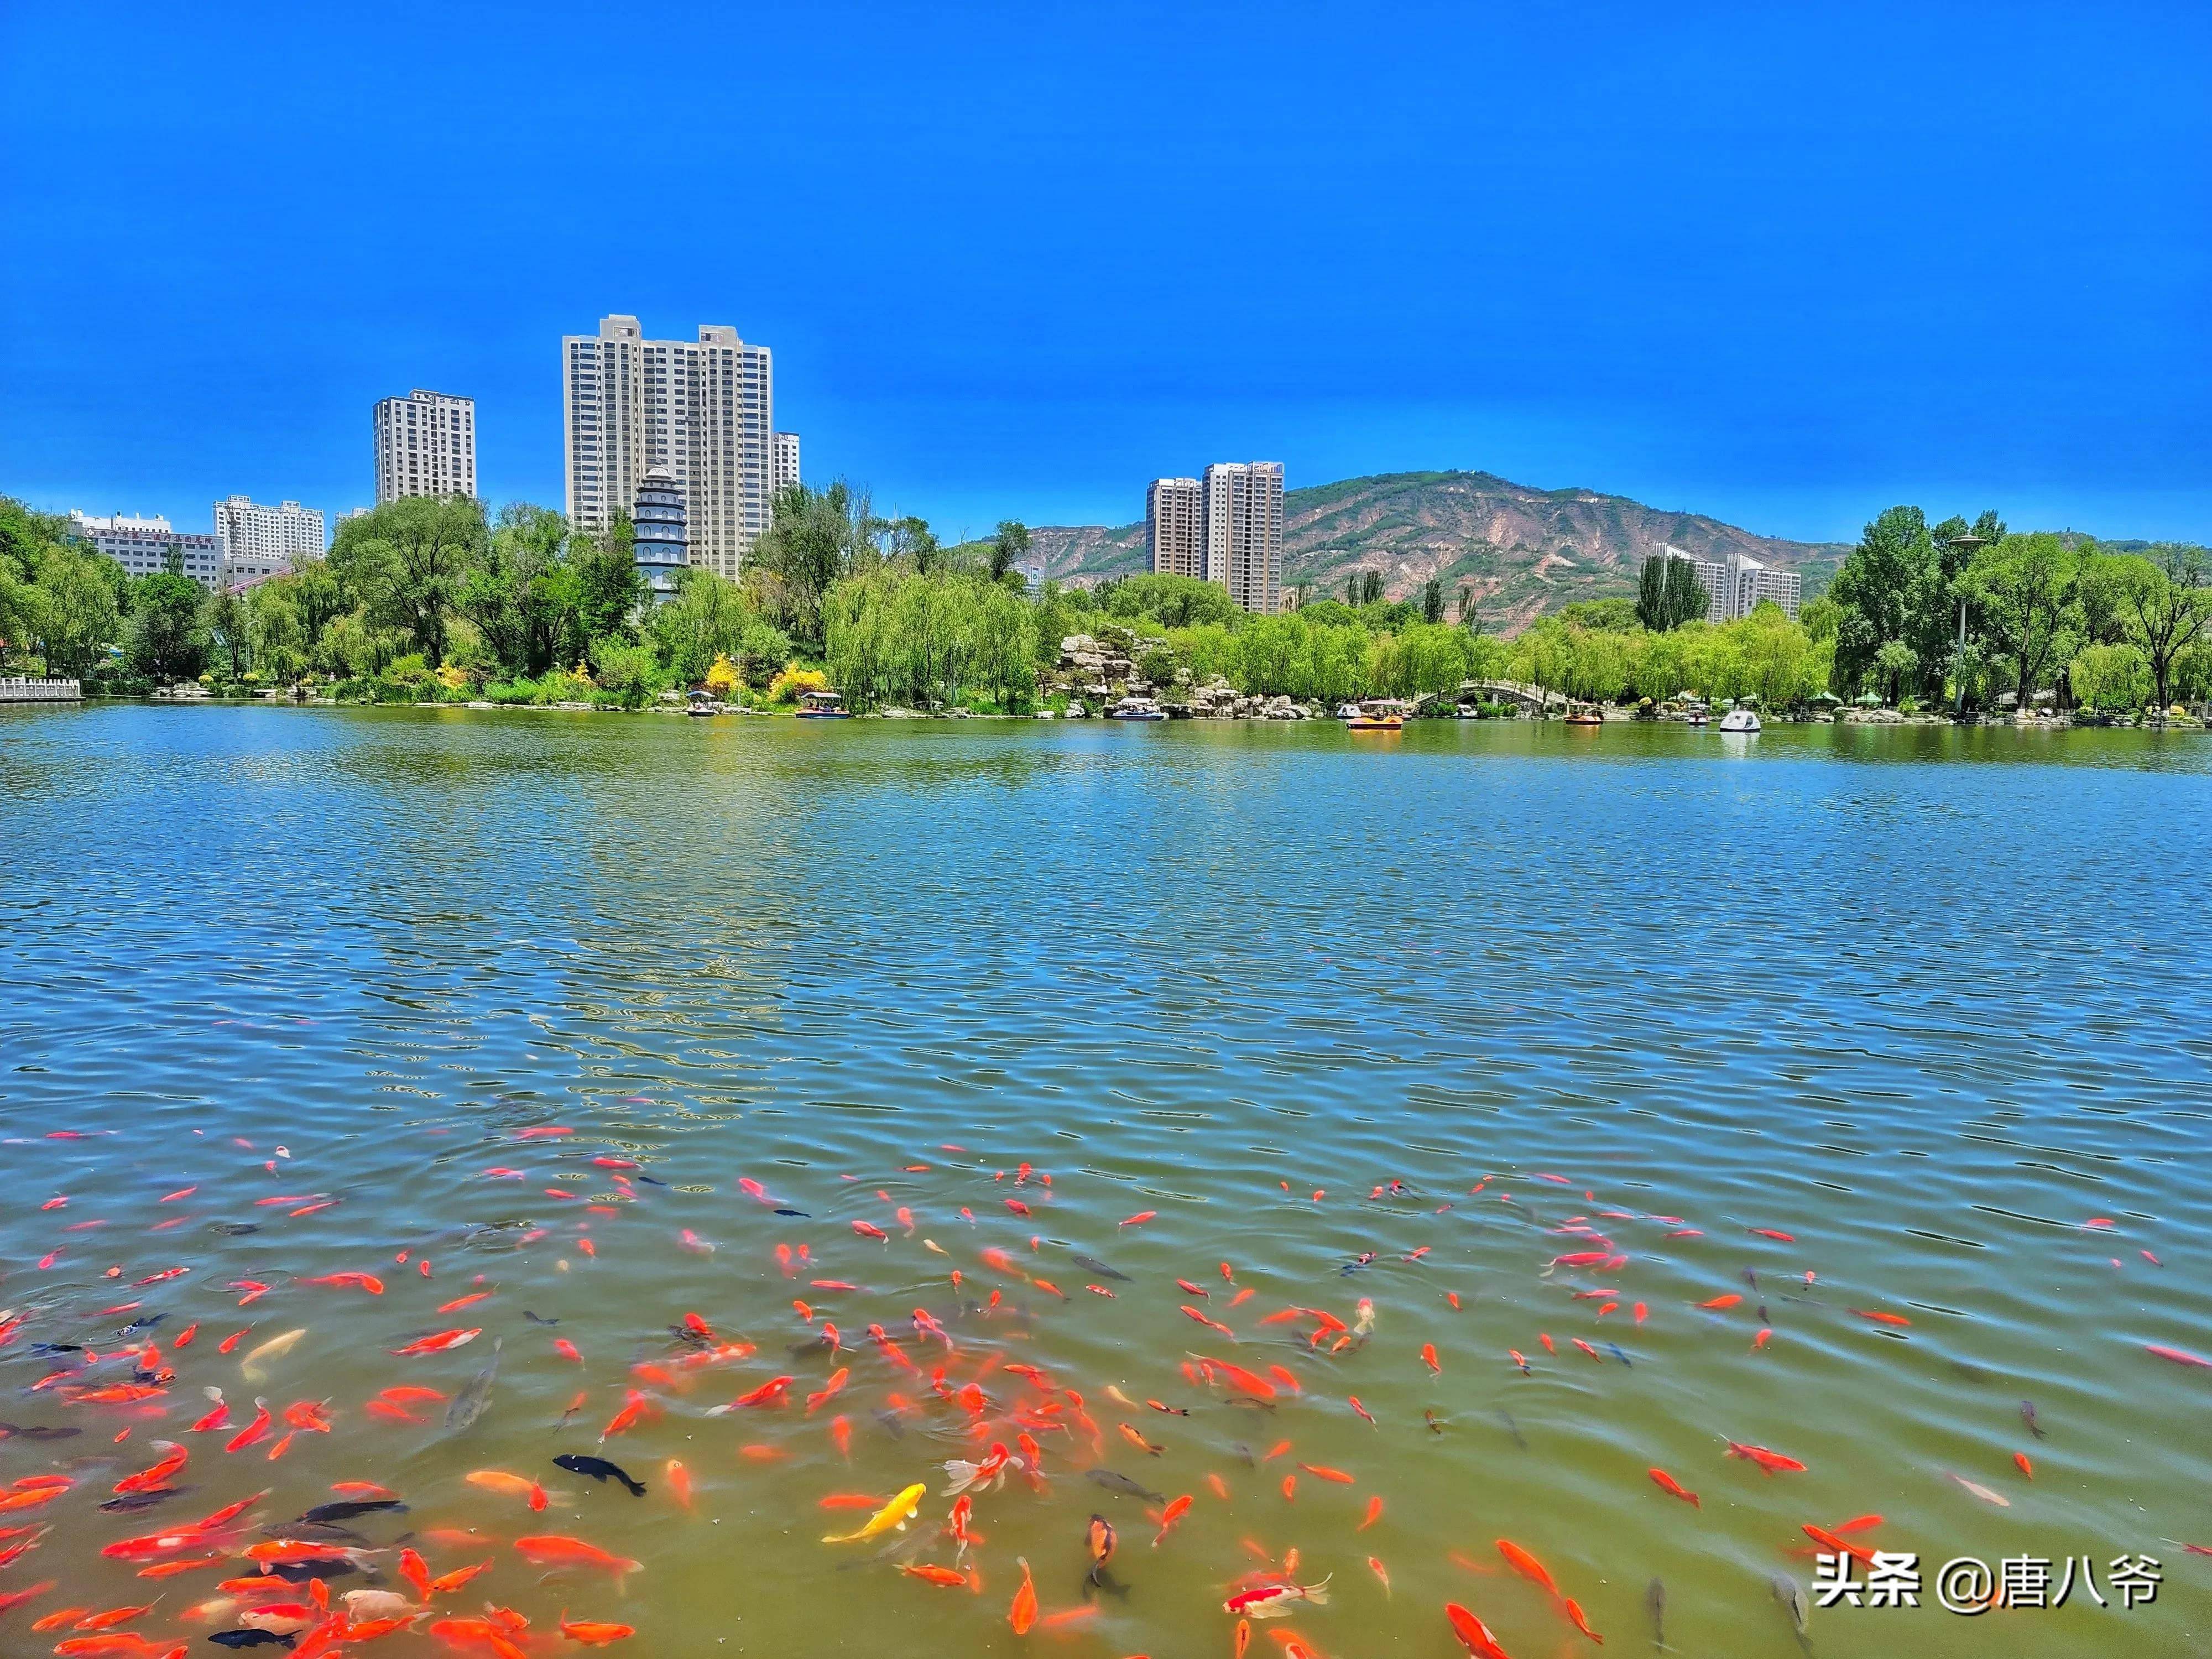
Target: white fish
1984 1493
274 1348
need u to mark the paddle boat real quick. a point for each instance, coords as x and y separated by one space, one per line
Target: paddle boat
821 706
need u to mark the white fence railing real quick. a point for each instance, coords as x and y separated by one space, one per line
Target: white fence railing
27 690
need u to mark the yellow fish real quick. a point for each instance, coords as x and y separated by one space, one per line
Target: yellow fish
897 1513
276 1348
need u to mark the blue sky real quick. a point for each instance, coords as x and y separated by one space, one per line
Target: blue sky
1784 265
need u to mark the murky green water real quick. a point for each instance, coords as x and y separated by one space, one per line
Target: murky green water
1925 1001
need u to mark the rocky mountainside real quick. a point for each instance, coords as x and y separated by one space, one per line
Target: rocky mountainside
1523 551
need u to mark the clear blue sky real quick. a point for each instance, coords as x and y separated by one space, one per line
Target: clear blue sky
1787 264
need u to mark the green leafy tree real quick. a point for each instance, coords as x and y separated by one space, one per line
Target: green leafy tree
1371 588
2166 607
71 610
605 585
1893 664
1883 590
2108 677
407 561
816 539
1008 547
1669 594
2023 588
516 592
1432 600
165 640
227 623
1174 601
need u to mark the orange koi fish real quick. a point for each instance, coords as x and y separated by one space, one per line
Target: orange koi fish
509 1486
1429 1358
1274 1598
1374 1513
1771 1461
1023 1612
552 1550
367 1282
1174 1512
1673 1488
1527 1565
443 1342
1322 1472
1878 1317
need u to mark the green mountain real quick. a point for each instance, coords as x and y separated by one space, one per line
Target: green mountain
1523 551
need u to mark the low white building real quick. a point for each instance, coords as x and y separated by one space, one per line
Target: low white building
142 546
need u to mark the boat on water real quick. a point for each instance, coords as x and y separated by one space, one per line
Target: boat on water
1585 713
1379 715
702 703
1136 708
1739 719
823 706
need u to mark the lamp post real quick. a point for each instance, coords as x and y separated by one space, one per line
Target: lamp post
1965 545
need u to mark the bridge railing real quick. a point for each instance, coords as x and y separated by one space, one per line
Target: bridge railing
22 689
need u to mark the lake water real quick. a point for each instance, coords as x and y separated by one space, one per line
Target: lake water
1925 1001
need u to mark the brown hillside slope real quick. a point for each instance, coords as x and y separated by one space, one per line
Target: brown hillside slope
1523 551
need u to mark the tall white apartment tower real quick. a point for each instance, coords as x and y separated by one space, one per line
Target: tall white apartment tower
1244 508
704 410
1175 527
426 444
787 461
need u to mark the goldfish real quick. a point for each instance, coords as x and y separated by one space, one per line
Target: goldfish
2025 1467
679 1480
1320 1471
551 1550
947 1576
1474 1633
1273 1598
254 1432
1139 1218
1673 1488
1174 1512
443 1342
11 1599
770 1393
1771 1461
1429 1358
415 1571
1374 1513
897 1513
1527 1565
1881 1318
1378 1570
510 1486
591 1632
447 1582
1023 1612
156 1475
829 1390
1721 1301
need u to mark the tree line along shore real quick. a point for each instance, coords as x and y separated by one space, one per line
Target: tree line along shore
434 600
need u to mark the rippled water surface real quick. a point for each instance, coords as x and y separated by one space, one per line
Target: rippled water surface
1925 1002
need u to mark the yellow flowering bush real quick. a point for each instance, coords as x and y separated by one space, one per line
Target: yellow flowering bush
722 678
791 679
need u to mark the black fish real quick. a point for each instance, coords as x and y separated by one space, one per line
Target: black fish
652 1181
306 1573
469 1404
1121 1483
1244 1452
802 1214
1763 1318
535 1319
813 1345
1099 1578
2028 1416
1621 1357
1654 1603
44 1349
1247 1400
143 1322
1092 1264
37 1431
599 1469
131 1503
352 1508
252 1638
1751 1277
1513 1429
236 1229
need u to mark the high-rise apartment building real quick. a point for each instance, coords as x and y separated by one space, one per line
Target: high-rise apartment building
1737 584
426 444
787 461
1175 527
142 546
1243 506
705 409
252 541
